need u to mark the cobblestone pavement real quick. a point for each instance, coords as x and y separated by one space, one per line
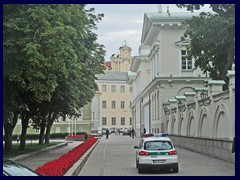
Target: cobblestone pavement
116 157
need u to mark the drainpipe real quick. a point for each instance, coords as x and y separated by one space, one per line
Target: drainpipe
149 100
141 129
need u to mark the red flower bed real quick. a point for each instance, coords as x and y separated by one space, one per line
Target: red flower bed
60 166
82 136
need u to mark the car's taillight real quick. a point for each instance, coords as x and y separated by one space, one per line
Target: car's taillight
174 152
143 153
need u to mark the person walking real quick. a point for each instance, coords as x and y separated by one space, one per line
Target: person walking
133 133
107 133
85 136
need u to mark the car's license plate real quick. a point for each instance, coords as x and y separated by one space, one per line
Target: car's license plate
159 161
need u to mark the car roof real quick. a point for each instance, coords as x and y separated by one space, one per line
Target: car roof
156 138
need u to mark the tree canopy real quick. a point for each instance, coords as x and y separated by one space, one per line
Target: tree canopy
50 58
212 37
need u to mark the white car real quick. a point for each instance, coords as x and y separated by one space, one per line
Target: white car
156 153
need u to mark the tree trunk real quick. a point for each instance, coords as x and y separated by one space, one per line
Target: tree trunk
49 126
230 59
25 120
47 135
42 130
8 138
8 130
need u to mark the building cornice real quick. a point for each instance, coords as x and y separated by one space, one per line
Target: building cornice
154 51
158 80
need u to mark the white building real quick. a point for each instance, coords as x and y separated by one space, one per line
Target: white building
162 70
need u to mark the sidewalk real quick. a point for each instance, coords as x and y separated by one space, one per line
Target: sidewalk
33 161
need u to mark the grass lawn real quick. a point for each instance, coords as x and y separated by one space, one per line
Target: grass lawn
30 147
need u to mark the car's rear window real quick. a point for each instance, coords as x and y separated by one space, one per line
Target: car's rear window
158 145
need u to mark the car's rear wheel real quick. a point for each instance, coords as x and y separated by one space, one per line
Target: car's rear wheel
175 170
140 169
136 163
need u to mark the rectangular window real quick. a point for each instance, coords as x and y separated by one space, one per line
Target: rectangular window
104 121
122 104
104 104
130 121
104 88
113 121
187 63
113 88
113 104
122 88
122 120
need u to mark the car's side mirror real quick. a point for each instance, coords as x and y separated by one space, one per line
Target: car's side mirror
136 147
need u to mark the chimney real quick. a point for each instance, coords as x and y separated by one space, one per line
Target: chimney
159 8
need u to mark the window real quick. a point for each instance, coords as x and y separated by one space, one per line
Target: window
130 121
113 121
104 88
122 104
113 88
186 63
158 145
122 88
113 104
104 121
122 120
104 104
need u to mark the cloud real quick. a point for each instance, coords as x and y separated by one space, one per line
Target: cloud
123 22
120 35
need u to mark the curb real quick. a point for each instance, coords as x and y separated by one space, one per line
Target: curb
51 148
76 168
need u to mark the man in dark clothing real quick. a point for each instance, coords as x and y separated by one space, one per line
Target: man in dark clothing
85 136
107 133
133 132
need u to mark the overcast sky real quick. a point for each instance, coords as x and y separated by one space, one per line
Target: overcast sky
123 22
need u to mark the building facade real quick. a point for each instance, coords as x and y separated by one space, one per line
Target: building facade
114 101
120 62
170 95
162 70
70 125
114 95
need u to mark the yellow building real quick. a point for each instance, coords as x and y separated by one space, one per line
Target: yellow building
120 62
114 101
114 95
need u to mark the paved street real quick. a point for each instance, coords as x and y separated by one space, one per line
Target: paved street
116 157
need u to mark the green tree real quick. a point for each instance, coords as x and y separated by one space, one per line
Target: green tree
212 37
45 45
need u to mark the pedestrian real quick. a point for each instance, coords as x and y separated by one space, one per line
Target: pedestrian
85 136
133 133
107 133
144 131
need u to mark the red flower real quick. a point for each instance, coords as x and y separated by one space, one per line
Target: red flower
60 166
